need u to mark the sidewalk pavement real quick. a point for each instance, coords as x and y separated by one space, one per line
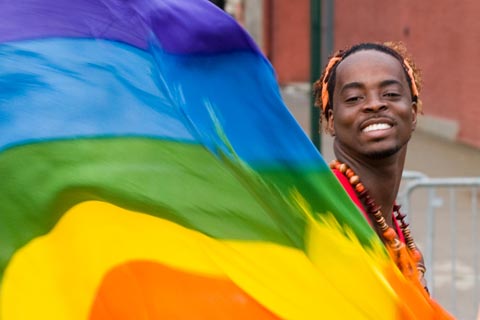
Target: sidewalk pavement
429 154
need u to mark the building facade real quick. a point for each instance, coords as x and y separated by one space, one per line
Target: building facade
441 36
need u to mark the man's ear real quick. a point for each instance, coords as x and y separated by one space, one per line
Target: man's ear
414 115
330 126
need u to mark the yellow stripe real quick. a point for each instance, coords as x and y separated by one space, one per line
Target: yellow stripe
361 277
56 276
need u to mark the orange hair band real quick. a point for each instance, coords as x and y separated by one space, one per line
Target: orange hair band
412 78
325 96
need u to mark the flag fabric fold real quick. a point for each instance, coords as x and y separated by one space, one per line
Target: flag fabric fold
151 170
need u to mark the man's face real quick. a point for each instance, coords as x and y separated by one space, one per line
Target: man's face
372 113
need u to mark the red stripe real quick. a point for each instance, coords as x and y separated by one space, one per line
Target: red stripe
149 290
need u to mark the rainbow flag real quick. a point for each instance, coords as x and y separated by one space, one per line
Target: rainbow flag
150 170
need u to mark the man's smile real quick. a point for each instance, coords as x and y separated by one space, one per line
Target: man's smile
376 127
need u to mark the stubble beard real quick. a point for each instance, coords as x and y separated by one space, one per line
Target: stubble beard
382 154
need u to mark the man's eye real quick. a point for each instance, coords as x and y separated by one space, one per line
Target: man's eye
392 94
353 99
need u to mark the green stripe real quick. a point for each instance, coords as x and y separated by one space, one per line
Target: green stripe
323 193
181 182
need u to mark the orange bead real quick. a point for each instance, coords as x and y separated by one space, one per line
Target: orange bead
349 173
416 255
333 164
359 187
389 234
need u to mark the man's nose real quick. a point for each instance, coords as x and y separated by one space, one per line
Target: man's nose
375 104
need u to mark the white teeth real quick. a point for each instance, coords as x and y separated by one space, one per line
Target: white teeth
377 126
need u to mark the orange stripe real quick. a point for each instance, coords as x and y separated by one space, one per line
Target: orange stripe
150 290
414 301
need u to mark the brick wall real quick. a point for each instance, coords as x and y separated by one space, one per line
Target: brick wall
442 36
287 38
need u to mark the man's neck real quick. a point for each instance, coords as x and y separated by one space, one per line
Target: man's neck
381 177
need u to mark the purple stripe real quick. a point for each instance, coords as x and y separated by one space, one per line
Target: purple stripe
181 26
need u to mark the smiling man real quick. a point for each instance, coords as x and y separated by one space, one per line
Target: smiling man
369 97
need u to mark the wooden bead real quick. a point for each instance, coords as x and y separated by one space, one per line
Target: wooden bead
411 245
375 209
421 268
400 216
395 245
354 180
378 215
342 168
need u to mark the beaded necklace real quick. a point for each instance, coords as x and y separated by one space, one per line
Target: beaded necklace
396 248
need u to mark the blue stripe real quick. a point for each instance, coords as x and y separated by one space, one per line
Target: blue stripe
60 88
239 91
66 88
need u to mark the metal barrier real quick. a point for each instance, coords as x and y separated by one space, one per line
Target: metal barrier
443 213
